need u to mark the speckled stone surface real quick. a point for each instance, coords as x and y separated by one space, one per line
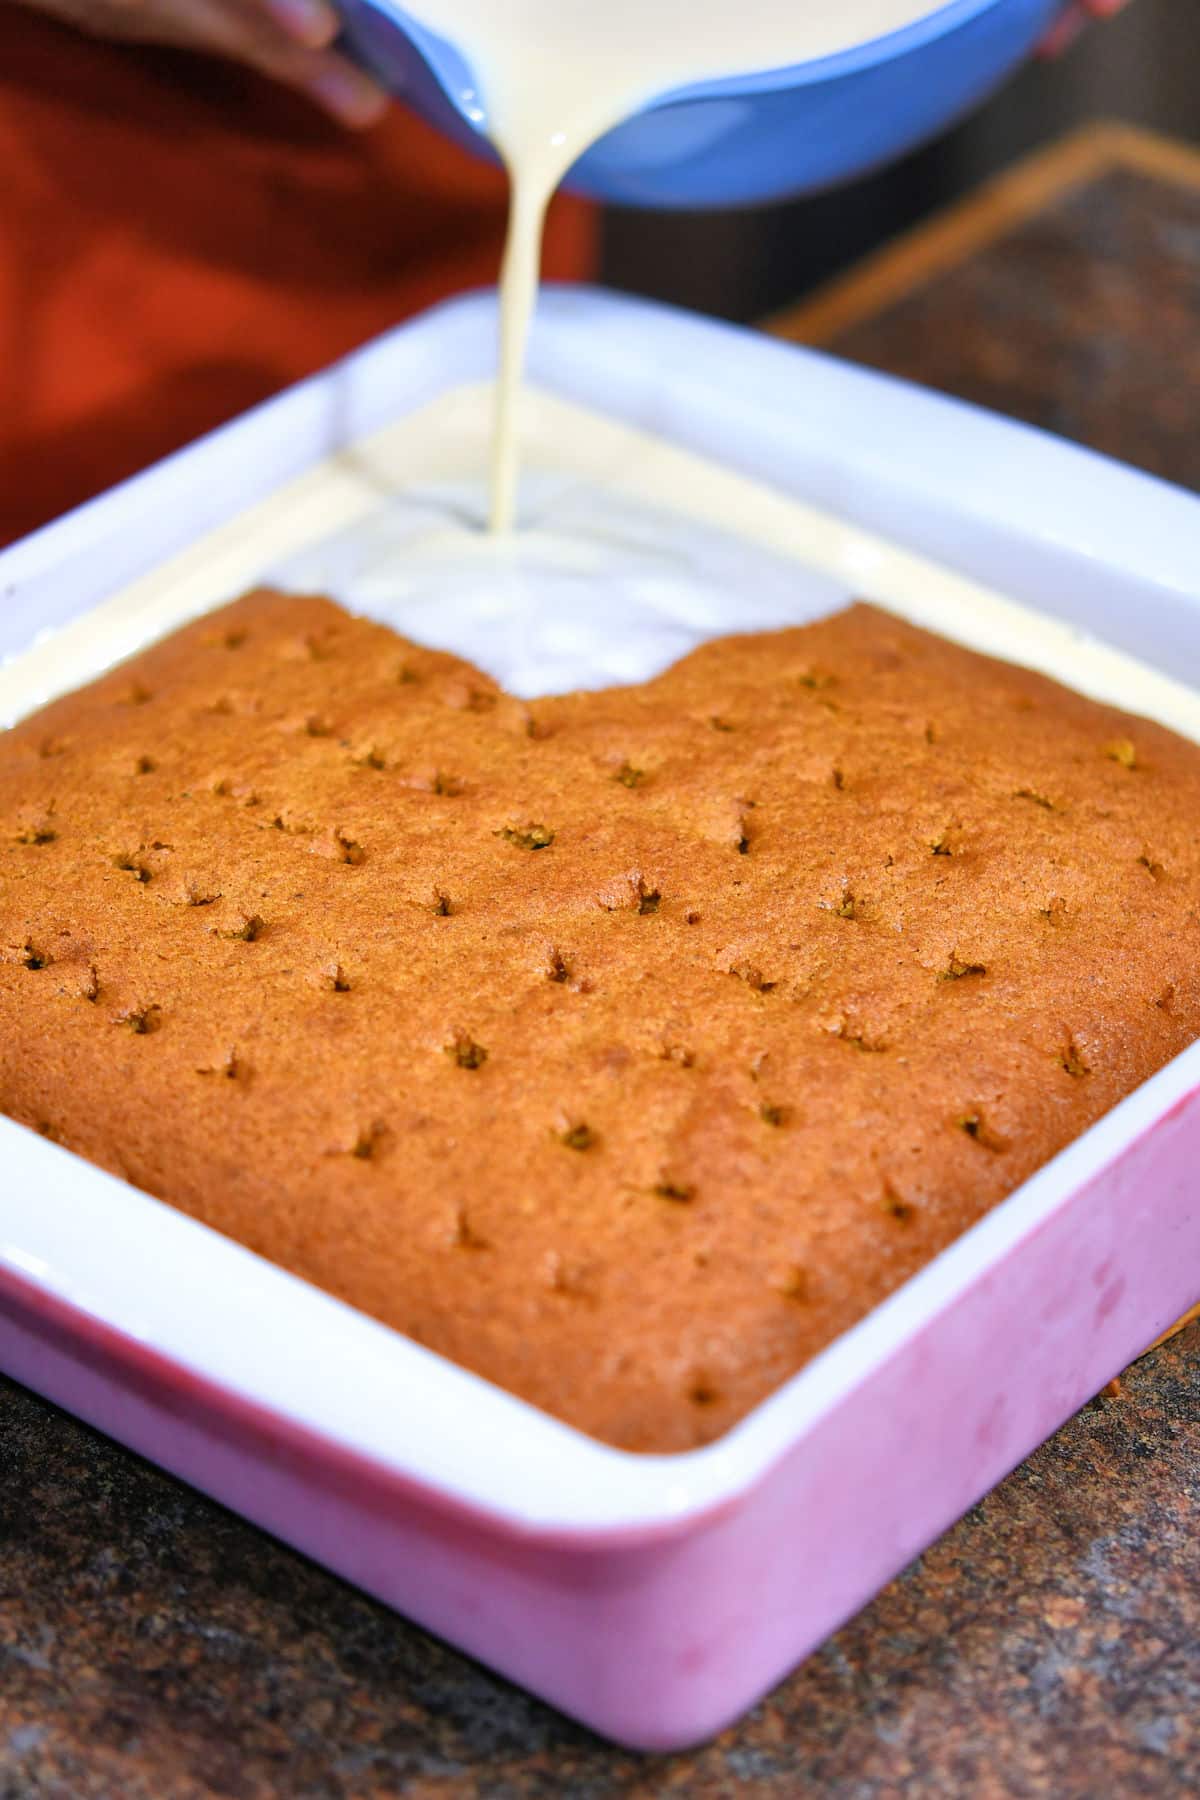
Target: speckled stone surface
153 1646
1084 319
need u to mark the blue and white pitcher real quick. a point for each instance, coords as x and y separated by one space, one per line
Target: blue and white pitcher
749 138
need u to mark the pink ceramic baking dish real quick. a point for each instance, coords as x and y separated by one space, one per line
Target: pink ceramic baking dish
653 1597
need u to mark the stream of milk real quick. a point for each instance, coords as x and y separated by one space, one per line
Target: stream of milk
553 76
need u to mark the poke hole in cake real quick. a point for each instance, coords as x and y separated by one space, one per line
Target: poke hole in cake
625 1047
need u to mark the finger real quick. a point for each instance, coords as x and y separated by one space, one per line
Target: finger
257 36
274 25
1063 33
347 93
250 33
1105 9
337 85
313 23
241 29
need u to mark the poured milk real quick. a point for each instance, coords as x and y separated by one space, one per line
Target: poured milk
556 75
625 567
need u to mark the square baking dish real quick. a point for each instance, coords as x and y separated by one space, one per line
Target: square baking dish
653 1597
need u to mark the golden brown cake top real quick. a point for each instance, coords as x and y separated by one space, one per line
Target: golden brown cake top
624 1047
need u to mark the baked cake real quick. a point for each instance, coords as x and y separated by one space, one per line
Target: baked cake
624 1047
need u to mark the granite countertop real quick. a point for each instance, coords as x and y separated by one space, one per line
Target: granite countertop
1110 358
153 1645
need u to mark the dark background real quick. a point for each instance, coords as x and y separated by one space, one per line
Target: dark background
1142 67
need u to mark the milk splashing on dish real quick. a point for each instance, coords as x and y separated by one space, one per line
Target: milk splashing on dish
555 75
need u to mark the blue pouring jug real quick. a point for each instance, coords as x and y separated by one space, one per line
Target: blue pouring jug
750 138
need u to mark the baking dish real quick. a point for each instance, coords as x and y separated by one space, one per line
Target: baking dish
653 1597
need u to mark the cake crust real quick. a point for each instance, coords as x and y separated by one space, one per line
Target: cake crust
624 1047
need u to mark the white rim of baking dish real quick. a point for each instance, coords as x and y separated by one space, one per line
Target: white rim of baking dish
216 1310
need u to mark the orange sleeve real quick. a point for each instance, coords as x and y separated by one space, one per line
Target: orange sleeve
180 239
